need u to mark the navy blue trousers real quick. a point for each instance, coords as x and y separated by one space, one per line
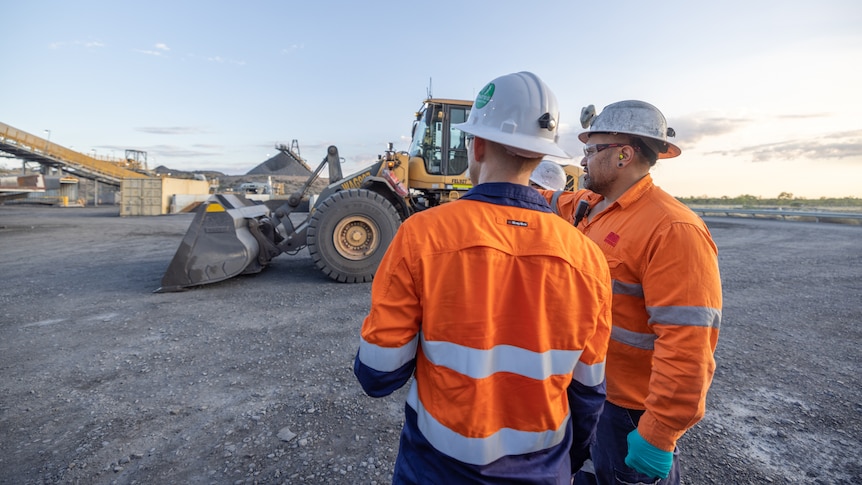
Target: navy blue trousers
609 452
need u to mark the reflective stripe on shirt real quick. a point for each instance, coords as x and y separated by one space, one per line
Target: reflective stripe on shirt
480 363
481 451
672 315
692 316
697 316
630 289
638 340
590 375
387 359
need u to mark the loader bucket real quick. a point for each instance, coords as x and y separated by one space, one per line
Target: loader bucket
218 245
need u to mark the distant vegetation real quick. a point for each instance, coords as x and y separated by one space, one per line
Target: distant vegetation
784 199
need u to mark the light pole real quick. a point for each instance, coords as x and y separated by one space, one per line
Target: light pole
48 141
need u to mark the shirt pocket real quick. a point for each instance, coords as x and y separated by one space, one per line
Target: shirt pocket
615 264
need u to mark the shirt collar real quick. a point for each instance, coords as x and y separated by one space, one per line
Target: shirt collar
509 194
636 191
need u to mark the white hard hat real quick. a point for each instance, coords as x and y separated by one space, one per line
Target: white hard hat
631 118
517 110
549 175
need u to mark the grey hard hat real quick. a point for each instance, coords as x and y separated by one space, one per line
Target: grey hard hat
631 118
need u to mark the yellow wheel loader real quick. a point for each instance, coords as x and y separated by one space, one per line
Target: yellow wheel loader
348 226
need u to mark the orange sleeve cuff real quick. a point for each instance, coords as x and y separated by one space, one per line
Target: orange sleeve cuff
657 434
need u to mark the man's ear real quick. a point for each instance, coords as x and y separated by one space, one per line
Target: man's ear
479 148
627 154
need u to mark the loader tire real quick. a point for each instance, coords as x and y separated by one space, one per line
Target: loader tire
349 232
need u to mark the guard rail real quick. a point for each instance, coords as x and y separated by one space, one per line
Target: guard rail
777 213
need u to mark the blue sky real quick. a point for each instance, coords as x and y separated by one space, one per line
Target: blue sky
764 95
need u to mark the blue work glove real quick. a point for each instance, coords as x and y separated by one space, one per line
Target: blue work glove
646 458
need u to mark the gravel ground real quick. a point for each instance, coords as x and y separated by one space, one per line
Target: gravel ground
250 380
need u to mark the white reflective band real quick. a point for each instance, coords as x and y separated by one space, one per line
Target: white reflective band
696 316
644 341
386 359
479 364
481 451
589 375
629 289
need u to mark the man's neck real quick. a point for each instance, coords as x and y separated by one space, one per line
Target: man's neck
614 193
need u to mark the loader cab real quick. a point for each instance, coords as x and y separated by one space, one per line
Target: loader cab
442 148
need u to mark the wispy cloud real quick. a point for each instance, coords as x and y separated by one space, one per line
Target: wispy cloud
174 151
216 59
293 48
171 130
222 60
692 129
834 146
698 126
803 116
88 44
846 145
158 50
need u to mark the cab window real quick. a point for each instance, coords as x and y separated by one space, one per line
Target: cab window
427 137
442 148
457 141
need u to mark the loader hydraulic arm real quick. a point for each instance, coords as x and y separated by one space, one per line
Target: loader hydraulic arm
334 162
293 238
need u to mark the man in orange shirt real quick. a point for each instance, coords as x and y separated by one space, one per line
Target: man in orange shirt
667 295
498 309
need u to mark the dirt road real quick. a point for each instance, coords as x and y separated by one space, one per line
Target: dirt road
250 380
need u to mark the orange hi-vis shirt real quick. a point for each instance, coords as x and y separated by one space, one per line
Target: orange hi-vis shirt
501 307
666 305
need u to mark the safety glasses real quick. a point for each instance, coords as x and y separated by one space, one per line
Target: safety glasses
590 150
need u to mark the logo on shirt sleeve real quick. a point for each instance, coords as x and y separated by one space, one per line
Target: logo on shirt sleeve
513 222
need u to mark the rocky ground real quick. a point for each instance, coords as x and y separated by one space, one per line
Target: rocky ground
250 380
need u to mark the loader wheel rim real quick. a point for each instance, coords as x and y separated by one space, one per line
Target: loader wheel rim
356 238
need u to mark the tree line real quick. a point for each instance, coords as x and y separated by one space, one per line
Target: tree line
784 199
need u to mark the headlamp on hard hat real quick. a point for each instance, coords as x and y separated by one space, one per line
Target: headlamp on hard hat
547 122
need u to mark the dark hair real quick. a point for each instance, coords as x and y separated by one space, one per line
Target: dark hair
648 153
